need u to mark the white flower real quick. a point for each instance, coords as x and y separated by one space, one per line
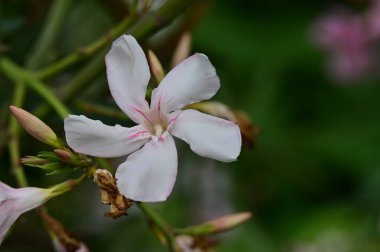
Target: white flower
149 173
14 202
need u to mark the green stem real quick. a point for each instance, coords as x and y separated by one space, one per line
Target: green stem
164 227
16 74
54 19
65 186
82 53
99 109
14 138
147 25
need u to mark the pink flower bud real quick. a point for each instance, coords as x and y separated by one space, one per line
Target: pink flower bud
183 49
218 225
35 127
229 221
155 67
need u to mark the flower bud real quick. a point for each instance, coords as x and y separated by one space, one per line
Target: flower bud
67 157
63 154
182 50
35 127
228 222
218 225
34 161
155 67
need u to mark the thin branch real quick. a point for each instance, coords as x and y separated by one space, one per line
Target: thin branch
87 51
16 74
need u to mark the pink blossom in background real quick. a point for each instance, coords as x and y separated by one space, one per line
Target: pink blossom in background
350 40
372 17
150 170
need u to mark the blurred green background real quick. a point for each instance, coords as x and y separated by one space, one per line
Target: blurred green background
313 178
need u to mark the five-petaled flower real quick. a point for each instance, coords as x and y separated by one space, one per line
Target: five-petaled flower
14 202
149 173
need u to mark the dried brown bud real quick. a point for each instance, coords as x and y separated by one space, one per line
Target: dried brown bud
248 129
109 194
104 197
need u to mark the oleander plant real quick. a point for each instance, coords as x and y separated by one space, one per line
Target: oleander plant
189 126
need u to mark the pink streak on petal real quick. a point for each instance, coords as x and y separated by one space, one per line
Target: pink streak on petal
139 133
159 108
142 113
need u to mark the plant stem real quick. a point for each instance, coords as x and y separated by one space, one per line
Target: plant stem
14 141
66 186
17 74
49 32
54 19
164 227
82 53
99 109
147 25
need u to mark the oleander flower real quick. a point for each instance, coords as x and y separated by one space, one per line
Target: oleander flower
14 202
346 38
150 170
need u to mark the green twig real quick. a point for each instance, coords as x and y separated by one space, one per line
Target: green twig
164 227
147 25
89 50
14 141
48 34
55 18
16 74
99 109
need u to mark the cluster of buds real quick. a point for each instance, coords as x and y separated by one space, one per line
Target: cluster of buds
51 162
110 195
58 160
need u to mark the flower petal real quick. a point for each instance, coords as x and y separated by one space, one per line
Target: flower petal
193 80
128 75
149 174
208 136
16 202
97 139
7 217
5 191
